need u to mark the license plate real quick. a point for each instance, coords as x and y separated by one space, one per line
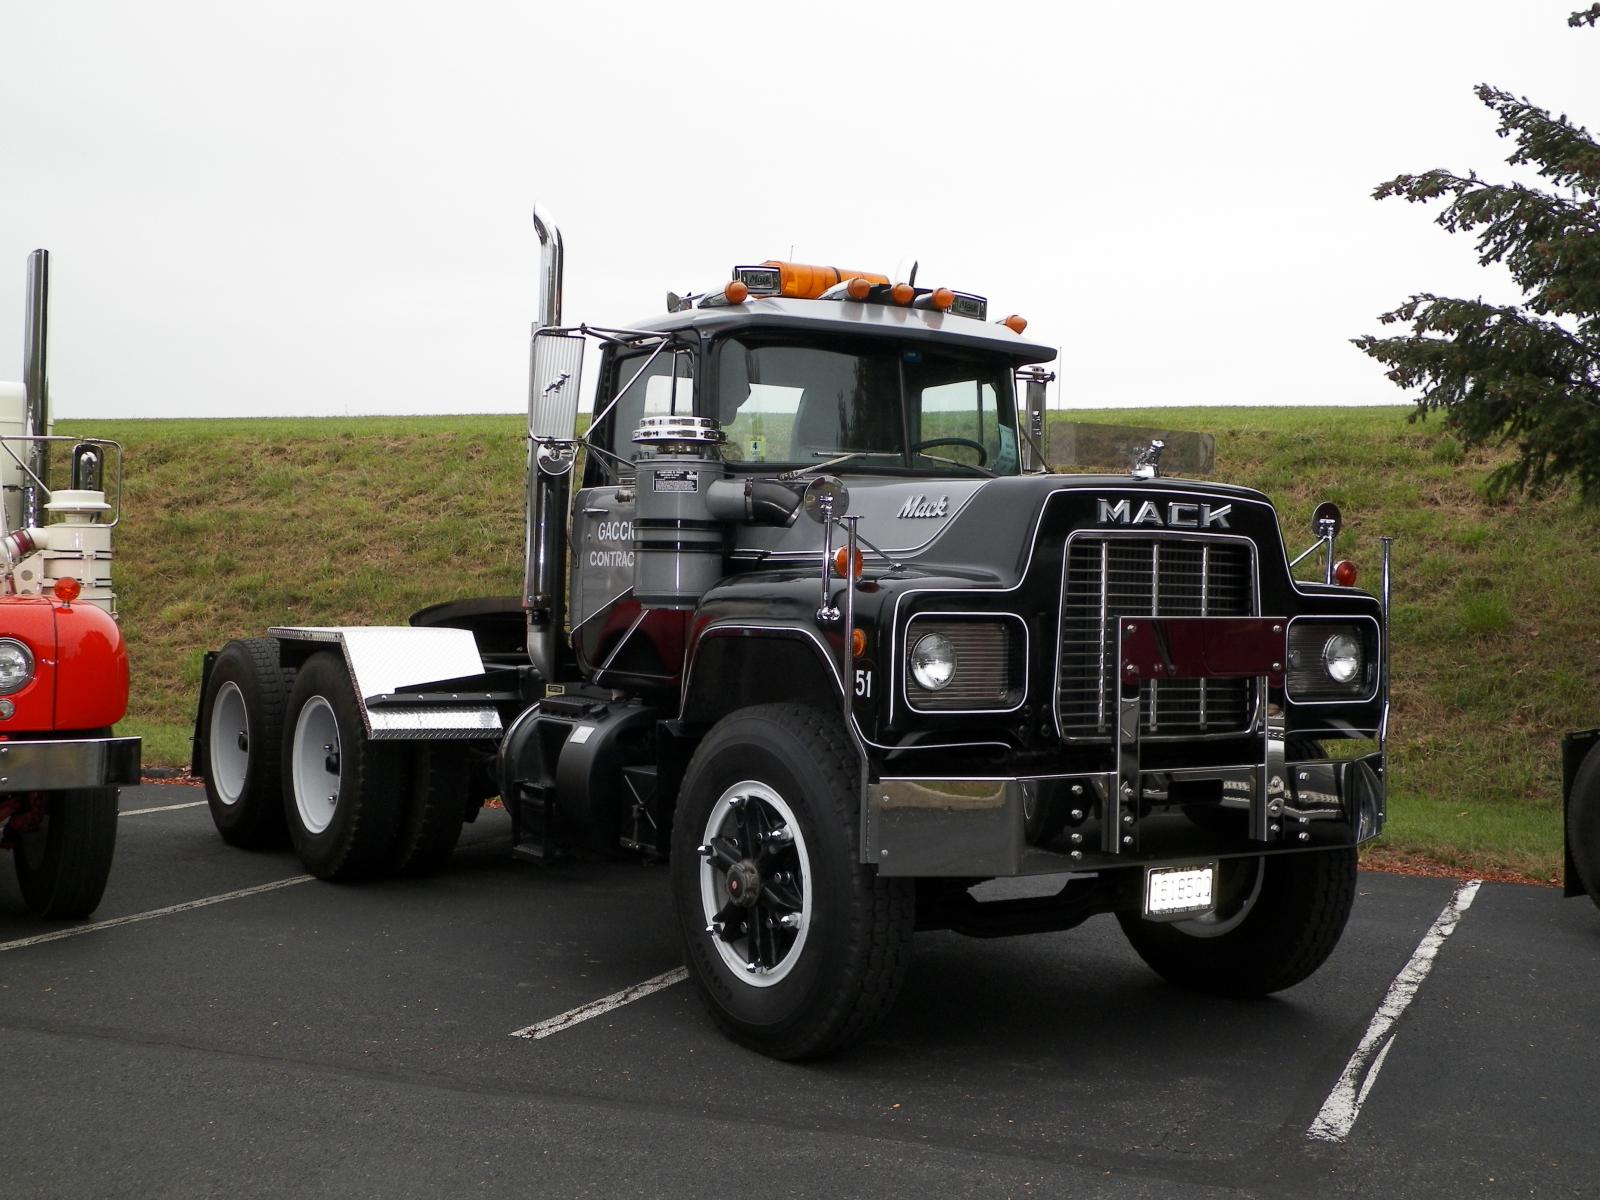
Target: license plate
1180 891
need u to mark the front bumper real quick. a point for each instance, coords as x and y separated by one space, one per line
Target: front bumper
63 763
1126 814
978 827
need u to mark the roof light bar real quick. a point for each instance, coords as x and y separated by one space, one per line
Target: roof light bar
965 304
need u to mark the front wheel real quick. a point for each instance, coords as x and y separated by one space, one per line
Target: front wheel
796 948
62 866
1277 919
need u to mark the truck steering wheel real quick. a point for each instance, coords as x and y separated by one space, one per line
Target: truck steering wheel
983 455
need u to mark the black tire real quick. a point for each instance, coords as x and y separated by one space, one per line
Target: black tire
1583 823
242 715
826 980
431 824
342 793
1043 817
62 867
1278 918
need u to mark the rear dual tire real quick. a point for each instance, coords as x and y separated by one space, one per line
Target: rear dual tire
289 762
246 697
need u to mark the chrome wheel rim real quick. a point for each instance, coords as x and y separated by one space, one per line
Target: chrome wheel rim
755 883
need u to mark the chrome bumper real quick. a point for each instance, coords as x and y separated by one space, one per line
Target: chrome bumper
977 827
68 763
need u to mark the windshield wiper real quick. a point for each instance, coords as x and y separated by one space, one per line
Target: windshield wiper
797 472
950 462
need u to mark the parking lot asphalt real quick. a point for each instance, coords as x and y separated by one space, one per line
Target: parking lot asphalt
292 1037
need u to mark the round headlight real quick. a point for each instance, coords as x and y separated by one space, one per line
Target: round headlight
16 666
1341 657
933 661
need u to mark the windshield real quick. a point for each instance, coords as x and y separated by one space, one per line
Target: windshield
889 406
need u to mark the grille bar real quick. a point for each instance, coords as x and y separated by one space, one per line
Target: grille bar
1106 579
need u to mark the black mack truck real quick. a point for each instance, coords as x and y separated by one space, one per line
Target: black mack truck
806 615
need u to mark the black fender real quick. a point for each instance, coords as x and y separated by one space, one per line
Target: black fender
735 664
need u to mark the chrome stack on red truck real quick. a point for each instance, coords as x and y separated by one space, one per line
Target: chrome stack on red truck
806 615
63 661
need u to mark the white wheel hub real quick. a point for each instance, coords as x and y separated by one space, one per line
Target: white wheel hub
228 747
315 758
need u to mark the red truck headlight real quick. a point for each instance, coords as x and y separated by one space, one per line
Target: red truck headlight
16 666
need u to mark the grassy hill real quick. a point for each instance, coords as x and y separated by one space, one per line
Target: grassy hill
233 525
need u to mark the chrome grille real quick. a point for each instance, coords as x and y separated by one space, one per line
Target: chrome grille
1109 578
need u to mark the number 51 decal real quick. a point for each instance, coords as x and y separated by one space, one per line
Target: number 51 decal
864 684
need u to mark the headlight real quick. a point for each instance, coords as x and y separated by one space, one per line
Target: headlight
16 666
1341 657
965 662
1332 661
933 662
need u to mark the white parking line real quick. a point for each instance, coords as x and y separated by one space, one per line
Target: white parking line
139 812
1343 1105
97 926
601 1006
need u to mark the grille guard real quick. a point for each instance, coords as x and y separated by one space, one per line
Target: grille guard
1199 648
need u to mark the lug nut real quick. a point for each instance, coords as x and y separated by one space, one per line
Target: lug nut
1127 841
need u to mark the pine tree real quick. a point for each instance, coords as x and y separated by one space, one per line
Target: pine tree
1528 373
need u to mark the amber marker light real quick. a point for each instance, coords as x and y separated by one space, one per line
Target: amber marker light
67 589
1344 573
902 293
858 288
1015 323
942 299
736 292
841 561
858 642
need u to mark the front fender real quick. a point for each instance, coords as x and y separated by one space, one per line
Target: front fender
735 663
91 668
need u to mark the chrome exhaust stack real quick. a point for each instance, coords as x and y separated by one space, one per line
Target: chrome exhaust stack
551 455
36 382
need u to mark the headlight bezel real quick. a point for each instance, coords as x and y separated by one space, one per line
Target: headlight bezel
991 655
9 685
1309 678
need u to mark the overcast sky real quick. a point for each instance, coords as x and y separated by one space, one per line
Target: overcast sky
323 208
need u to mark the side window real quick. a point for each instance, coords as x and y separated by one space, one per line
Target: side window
953 415
666 386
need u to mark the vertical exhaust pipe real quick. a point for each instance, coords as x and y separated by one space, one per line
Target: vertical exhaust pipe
544 543
36 382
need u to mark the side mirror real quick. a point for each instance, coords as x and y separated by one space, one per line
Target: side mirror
825 499
555 385
1326 521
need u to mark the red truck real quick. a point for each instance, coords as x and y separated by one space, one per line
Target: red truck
63 661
